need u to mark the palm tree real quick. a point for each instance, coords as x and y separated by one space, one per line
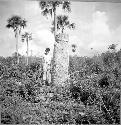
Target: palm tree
63 23
61 62
27 36
49 8
16 23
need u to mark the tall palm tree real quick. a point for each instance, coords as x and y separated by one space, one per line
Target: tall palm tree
63 23
16 23
27 36
49 8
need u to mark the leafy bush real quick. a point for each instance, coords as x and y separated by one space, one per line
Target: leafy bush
91 95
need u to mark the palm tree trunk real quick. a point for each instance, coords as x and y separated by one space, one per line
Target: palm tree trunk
62 30
60 60
55 23
17 46
27 51
55 31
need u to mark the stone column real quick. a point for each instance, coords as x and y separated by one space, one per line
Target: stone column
60 60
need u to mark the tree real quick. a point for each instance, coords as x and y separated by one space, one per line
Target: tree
16 23
61 62
49 8
63 23
59 72
27 36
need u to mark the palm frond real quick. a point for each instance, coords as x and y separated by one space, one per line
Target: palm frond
8 25
66 6
48 7
65 18
63 22
23 23
50 12
57 3
45 12
50 3
72 26
26 35
42 4
16 22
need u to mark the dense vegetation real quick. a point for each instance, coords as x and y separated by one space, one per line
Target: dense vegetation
90 96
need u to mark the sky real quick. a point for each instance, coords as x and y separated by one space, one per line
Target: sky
98 25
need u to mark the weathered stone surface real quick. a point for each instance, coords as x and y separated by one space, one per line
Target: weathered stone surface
60 59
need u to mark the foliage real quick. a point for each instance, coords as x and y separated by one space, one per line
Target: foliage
63 23
98 88
48 7
16 23
91 95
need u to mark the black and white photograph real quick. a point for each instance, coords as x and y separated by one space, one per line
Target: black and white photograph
60 62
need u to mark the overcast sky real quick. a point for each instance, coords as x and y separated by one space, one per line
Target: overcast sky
97 26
